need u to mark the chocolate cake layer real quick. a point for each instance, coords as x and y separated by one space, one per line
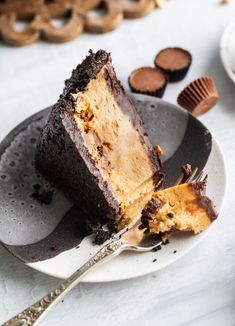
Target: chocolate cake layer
94 146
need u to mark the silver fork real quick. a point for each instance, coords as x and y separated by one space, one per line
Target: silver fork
134 239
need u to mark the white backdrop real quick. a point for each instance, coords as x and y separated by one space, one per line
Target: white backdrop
197 290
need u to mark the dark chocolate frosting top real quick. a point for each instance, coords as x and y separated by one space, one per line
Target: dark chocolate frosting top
86 71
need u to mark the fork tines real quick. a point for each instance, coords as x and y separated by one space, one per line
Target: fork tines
194 177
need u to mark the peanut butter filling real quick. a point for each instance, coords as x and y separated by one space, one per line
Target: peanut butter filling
177 208
114 144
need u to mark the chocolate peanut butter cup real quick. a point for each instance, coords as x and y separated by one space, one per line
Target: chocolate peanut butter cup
199 96
174 62
148 80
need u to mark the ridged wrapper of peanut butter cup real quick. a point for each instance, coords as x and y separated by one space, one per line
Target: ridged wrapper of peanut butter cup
174 62
148 81
199 96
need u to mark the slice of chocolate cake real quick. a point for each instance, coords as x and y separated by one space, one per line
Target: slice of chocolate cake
94 146
182 208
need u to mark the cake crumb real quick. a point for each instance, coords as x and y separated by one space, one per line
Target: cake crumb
141 227
175 251
96 228
92 226
101 236
44 196
157 248
154 260
36 186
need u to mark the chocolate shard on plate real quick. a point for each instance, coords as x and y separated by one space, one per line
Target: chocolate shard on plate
199 96
180 208
174 62
148 81
94 146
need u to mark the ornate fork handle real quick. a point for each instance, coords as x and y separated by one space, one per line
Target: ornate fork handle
33 314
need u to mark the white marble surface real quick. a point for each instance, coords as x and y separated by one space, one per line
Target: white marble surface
199 289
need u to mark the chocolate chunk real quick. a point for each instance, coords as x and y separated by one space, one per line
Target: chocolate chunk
141 227
148 80
144 220
174 62
152 207
100 150
199 96
170 215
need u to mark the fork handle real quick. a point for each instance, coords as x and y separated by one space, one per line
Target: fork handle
33 314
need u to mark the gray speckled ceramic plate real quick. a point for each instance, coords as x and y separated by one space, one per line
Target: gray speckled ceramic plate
49 237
